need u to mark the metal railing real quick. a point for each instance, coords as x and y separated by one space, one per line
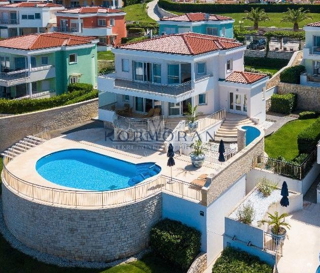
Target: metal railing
97 199
67 29
286 168
272 244
9 21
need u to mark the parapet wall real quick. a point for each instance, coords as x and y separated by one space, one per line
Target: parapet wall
15 127
81 234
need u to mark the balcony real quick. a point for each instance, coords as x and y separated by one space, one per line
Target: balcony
11 78
98 31
312 53
164 92
9 21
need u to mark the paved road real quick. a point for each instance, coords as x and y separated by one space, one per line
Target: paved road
151 10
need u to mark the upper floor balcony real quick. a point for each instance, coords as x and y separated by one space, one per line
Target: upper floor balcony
164 92
311 52
9 21
15 77
94 31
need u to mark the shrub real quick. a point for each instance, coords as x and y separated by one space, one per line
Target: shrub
80 86
307 115
266 186
136 30
175 242
300 159
246 213
267 62
292 74
283 104
308 139
237 261
87 96
30 105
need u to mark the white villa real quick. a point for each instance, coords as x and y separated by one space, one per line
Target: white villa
170 71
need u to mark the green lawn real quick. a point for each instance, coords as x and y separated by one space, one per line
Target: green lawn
262 69
284 141
106 55
275 19
137 13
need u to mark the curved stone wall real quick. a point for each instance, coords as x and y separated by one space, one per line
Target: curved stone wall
88 235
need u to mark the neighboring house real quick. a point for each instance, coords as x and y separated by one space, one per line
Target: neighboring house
84 3
43 64
27 18
311 54
170 71
203 23
108 25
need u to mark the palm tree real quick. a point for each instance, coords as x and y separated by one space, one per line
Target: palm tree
276 221
256 15
295 16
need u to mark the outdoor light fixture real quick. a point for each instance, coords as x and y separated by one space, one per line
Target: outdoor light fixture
201 213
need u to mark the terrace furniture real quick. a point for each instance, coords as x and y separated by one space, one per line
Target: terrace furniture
200 181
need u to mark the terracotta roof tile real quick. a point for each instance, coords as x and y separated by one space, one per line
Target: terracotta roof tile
44 40
185 44
195 17
244 77
32 4
85 10
316 24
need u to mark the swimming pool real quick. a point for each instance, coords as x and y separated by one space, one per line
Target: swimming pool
87 170
251 133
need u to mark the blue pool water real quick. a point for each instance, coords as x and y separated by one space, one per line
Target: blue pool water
251 133
83 169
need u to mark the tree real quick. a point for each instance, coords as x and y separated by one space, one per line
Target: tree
256 15
295 16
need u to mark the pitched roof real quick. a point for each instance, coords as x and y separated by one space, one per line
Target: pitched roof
244 77
184 43
85 10
316 24
44 40
32 5
195 17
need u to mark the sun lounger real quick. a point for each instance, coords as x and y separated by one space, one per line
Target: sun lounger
200 181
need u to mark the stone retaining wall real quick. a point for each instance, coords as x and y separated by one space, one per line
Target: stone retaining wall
199 264
15 127
271 54
308 96
237 166
87 235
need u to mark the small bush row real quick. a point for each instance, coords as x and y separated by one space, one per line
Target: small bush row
308 115
238 261
292 74
175 242
308 139
283 104
266 62
77 92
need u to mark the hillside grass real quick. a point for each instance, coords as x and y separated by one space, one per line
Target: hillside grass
137 13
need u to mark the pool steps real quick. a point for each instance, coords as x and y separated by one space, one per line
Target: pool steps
144 171
22 146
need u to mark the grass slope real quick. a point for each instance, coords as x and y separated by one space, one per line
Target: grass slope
284 141
137 13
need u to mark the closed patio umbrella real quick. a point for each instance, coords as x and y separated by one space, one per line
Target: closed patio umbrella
171 161
221 151
285 193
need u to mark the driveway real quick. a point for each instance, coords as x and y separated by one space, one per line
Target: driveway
301 249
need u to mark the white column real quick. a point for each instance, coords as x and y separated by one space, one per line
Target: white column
79 25
30 89
29 73
114 4
193 76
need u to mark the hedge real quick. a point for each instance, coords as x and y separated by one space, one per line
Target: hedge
175 242
80 87
237 261
30 105
308 115
265 62
308 139
283 104
232 8
292 74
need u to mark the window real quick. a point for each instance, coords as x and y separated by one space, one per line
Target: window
125 97
112 22
139 104
223 32
24 17
31 16
101 22
201 68
138 71
74 79
45 86
212 31
156 73
125 65
103 40
229 65
37 16
33 62
72 58
202 99
173 73
44 60
169 30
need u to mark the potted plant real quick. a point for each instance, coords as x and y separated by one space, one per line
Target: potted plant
278 224
192 117
246 213
197 155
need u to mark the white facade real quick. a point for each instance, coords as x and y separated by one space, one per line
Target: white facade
16 21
